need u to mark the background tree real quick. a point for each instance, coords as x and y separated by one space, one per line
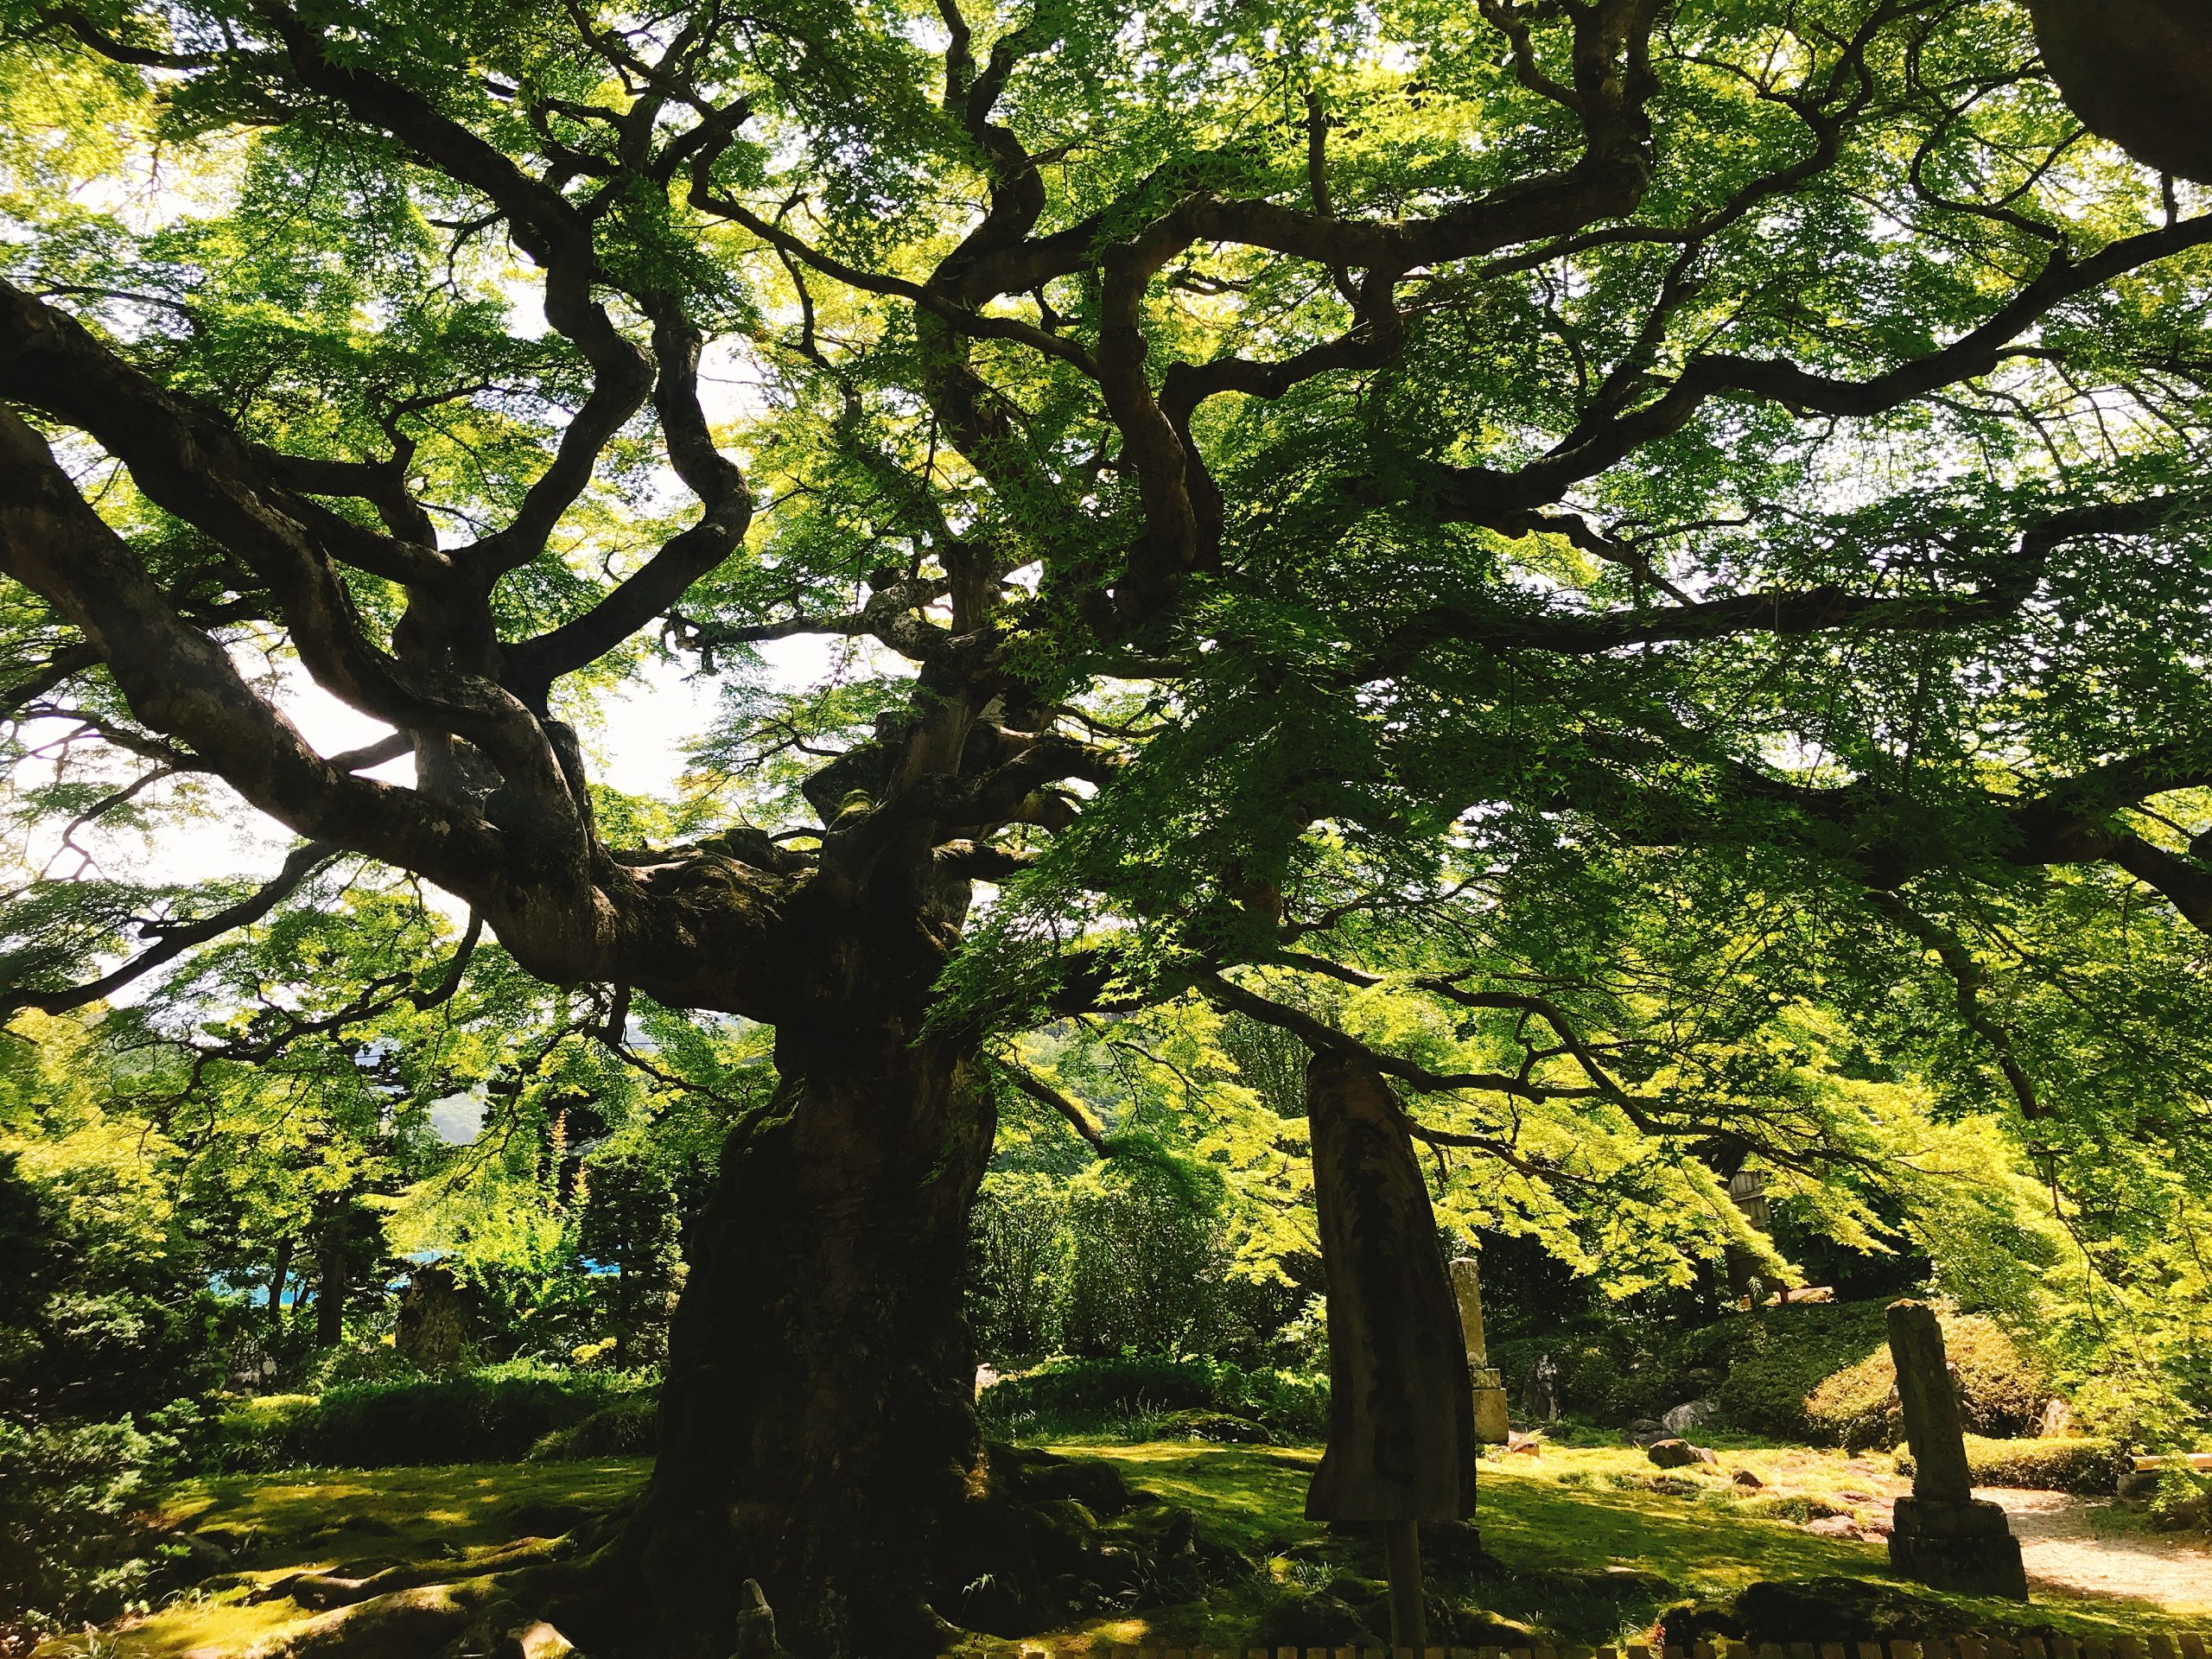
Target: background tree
1574 527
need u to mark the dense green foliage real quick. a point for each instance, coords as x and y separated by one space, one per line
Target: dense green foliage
1643 566
68 1495
1071 1396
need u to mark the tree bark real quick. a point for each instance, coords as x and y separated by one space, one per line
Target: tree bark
817 1430
277 1276
2137 72
332 1284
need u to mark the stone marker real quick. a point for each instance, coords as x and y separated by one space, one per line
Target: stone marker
1539 1399
1492 1420
1401 1433
436 1319
1943 1535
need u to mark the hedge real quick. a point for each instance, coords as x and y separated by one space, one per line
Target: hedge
628 1428
1816 1371
1076 1389
493 1415
2001 1391
2082 1464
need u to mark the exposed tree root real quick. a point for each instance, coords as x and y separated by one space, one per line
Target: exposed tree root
402 1624
1047 1538
327 1590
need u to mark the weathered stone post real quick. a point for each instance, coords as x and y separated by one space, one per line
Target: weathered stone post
1492 1420
1943 1535
1401 1434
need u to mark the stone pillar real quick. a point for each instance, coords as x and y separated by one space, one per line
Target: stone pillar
1491 1417
1942 1535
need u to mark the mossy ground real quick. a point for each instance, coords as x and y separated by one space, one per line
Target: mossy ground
1592 1552
280 1524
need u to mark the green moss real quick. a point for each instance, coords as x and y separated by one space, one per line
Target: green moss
1568 1536
278 1525
1590 1552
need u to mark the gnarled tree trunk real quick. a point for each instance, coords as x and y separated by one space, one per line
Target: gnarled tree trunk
817 1426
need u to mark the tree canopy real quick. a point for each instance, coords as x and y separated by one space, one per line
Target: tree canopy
1643 564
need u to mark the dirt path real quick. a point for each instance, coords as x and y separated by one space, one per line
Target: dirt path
2064 1550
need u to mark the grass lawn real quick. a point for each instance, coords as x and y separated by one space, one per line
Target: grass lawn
1593 1551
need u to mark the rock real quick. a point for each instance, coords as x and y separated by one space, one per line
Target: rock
1965 1547
1531 1444
2137 1483
1747 1480
1686 1625
2185 1515
1029 1475
1943 1535
1541 1401
1645 1431
1691 1414
1834 1526
535 1640
1223 1428
2057 1422
1837 1609
1672 1453
1299 1620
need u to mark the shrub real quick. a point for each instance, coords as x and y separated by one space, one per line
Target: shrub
628 1428
1778 1357
1147 1256
2001 1391
2080 1465
1817 1371
493 1415
1079 1391
66 1549
1854 1407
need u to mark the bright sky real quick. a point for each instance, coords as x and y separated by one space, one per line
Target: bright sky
638 750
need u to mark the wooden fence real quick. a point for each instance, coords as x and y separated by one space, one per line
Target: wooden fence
2189 1645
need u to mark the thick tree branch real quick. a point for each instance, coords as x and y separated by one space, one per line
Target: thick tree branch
176 938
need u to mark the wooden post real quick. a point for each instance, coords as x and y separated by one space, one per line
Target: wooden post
1408 1612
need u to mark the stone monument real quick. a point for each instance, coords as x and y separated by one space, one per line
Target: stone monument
1943 1534
1401 1433
1492 1427
435 1320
